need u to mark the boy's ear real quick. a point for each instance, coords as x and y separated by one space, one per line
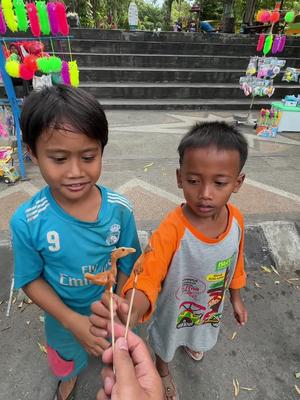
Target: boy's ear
32 156
179 180
239 181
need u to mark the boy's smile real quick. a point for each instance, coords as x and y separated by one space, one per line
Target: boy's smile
70 163
208 177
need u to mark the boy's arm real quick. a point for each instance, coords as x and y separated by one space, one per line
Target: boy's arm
239 309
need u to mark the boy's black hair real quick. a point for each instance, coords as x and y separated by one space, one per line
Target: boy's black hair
52 107
215 134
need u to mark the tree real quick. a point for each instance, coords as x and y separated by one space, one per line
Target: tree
167 10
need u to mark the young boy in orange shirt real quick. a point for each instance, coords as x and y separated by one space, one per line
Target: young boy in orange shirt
197 253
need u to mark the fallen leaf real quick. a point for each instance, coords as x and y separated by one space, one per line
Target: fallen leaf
148 166
42 318
42 348
246 388
297 374
276 282
28 301
14 300
27 322
233 335
1 301
297 389
21 304
266 269
293 279
275 270
257 284
236 386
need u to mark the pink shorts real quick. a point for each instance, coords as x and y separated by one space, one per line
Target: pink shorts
61 368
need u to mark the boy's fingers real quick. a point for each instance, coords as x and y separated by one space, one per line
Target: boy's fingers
98 332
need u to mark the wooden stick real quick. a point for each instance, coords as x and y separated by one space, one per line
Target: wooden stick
111 304
130 305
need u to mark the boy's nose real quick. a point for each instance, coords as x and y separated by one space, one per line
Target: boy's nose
74 170
205 192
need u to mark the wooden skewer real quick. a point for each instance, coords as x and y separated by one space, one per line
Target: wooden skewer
111 306
130 305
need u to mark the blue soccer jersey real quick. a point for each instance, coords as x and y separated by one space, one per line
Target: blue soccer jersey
49 243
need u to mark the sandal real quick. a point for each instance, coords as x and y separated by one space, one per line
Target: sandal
170 388
71 396
195 355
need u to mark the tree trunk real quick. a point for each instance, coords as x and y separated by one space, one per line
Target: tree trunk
228 16
249 12
168 11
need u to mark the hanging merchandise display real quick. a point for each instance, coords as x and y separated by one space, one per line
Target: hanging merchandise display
26 59
267 123
291 75
21 14
43 17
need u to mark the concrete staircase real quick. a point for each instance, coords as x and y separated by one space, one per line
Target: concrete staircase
142 70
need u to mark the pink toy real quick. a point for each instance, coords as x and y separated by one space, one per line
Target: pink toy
33 19
25 72
2 23
261 42
62 18
281 44
51 7
65 73
265 16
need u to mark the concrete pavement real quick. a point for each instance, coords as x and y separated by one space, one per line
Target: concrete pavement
140 162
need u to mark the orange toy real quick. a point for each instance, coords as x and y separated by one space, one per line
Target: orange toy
108 278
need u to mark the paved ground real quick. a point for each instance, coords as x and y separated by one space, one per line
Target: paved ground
140 161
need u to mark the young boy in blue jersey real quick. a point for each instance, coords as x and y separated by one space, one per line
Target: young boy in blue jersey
70 227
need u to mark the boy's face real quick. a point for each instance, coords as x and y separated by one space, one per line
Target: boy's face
208 176
69 162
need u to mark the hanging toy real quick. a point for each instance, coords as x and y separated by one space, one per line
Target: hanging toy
33 19
289 17
261 41
51 7
65 73
30 62
25 72
55 64
43 64
63 25
74 73
275 17
268 44
265 16
21 14
275 45
258 16
43 17
281 44
9 15
13 68
2 23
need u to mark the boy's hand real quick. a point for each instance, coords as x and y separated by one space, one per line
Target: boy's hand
239 309
101 314
80 327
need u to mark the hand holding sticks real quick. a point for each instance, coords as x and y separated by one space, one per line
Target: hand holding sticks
137 269
108 278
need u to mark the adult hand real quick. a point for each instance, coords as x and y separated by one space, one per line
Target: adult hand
136 376
80 328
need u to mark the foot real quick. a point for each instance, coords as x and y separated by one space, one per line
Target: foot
195 355
169 387
65 389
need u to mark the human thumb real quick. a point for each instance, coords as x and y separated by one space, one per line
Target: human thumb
125 371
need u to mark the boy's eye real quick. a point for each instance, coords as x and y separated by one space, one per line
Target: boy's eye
88 158
58 159
193 181
221 183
